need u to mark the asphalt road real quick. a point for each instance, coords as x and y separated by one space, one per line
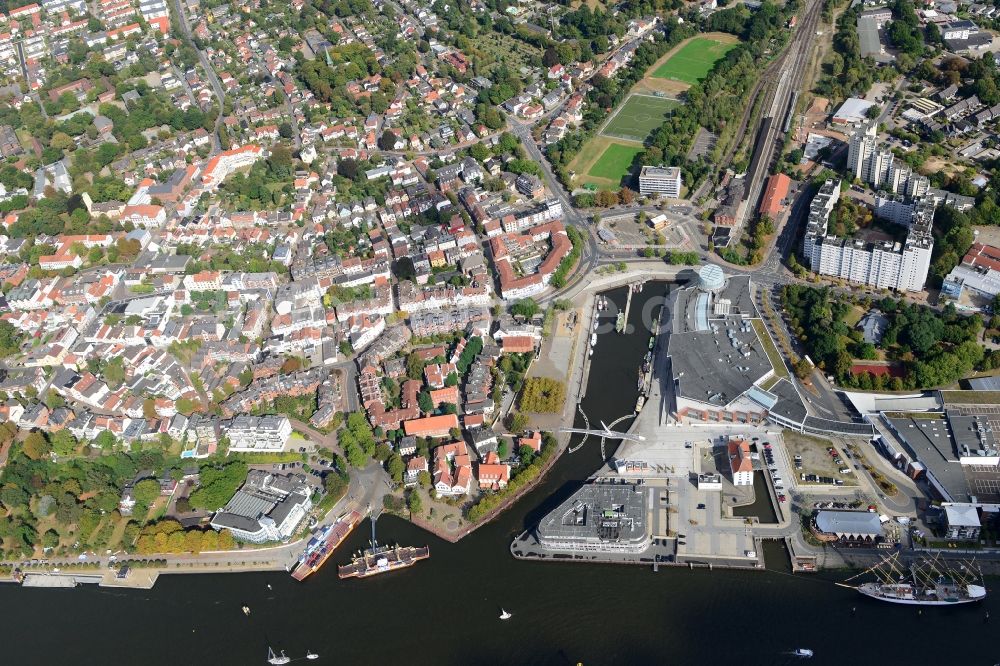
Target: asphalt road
213 79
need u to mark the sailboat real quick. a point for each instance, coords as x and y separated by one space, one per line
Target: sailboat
277 660
504 615
311 655
246 611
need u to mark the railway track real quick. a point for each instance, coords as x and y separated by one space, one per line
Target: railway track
776 110
771 74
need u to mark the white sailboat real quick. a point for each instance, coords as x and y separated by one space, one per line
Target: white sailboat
277 660
246 611
504 615
311 655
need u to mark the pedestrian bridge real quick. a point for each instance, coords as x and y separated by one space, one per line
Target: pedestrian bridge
604 434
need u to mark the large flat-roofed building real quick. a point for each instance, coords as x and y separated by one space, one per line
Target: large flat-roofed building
259 433
665 181
884 264
956 449
601 518
268 507
977 277
851 527
716 357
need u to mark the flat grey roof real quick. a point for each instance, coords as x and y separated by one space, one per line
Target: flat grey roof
985 383
789 404
847 428
580 516
974 434
871 45
930 442
710 368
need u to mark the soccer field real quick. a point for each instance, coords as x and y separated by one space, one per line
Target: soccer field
614 162
636 119
692 62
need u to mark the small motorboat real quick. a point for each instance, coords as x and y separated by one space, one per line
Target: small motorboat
246 611
277 659
804 652
590 352
504 615
269 586
311 655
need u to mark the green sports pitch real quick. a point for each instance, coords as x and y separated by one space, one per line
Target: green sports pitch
636 119
614 162
693 61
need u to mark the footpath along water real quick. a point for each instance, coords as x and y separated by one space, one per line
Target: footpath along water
445 610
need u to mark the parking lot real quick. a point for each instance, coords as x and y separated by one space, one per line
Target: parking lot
816 461
629 233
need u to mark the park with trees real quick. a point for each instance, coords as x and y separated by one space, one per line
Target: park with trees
924 348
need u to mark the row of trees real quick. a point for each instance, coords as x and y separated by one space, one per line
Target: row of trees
558 278
169 536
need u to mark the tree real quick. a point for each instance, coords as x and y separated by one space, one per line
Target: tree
543 395
388 140
10 339
218 484
285 130
348 168
526 307
63 442
518 422
404 269
414 366
114 372
50 539
414 503
105 440
146 491
36 446
802 368
425 402
395 467
53 400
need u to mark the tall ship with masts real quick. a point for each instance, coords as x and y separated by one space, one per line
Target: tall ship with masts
380 559
926 582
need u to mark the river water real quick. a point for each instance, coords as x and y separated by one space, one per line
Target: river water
444 610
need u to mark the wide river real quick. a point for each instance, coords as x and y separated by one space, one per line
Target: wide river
444 610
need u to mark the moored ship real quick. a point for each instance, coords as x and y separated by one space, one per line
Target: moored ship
321 546
928 582
381 559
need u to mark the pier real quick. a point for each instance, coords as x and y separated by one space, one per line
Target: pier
60 580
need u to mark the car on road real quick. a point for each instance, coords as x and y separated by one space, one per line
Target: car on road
781 498
701 506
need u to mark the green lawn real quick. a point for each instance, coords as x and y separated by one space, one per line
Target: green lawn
772 352
614 162
639 116
693 61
